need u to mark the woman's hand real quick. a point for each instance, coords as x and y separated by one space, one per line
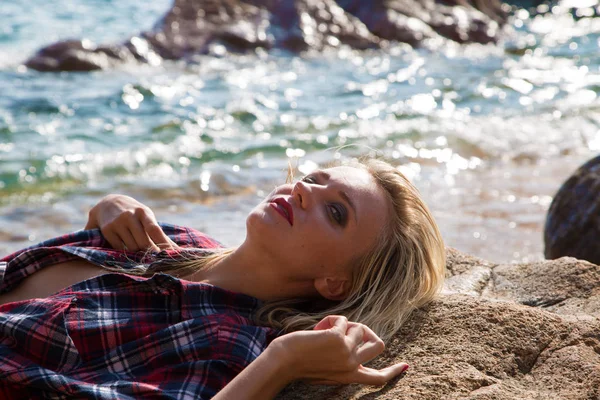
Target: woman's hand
334 352
128 225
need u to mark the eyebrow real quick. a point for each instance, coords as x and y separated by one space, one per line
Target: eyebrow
343 195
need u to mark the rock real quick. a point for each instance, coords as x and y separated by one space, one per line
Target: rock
80 55
573 220
193 27
567 287
510 331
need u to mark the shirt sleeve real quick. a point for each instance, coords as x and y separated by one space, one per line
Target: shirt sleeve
238 346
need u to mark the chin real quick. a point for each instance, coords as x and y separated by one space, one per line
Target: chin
260 221
265 228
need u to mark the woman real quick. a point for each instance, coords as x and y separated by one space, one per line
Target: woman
351 243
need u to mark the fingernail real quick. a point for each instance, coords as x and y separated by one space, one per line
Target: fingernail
404 369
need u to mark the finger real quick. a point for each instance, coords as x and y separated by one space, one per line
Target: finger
372 346
141 236
369 350
322 325
321 382
173 244
128 240
340 322
114 240
371 376
331 321
355 334
156 234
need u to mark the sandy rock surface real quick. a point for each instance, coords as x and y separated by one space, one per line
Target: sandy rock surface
510 331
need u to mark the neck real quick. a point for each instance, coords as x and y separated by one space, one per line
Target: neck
253 273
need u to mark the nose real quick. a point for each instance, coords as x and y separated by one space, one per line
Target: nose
301 194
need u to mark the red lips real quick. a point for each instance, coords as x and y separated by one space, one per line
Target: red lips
284 208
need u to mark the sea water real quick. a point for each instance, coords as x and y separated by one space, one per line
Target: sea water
487 133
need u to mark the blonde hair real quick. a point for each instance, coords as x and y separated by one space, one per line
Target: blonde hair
404 270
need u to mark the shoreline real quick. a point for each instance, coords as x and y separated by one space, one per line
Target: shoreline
476 212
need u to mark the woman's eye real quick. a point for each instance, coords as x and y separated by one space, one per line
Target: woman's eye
308 179
337 213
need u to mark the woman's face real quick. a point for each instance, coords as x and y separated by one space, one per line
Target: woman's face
320 224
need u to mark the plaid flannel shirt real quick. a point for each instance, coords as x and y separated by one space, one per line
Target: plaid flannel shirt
117 336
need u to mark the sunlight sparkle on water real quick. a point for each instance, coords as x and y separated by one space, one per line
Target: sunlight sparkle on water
205 180
307 167
132 97
454 118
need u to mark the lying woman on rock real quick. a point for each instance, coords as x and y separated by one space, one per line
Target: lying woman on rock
128 308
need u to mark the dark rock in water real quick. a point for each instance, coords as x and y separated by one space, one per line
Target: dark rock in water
78 55
503 332
194 27
573 220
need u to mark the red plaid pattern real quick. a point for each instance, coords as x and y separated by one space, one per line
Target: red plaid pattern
118 336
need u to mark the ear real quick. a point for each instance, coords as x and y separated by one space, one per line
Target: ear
332 288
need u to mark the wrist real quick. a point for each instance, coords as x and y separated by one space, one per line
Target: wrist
281 357
262 379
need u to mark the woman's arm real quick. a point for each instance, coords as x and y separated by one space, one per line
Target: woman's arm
128 224
333 353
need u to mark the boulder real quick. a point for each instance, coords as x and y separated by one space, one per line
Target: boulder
498 331
573 221
193 27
